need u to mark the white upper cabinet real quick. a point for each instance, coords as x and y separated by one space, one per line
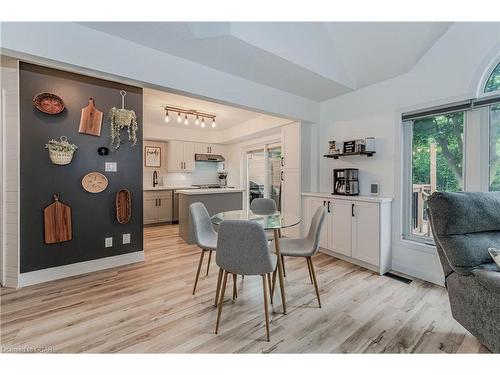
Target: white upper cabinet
180 156
290 140
208 148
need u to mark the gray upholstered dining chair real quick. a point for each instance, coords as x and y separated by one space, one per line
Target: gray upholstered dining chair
243 249
263 206
305 247
205 235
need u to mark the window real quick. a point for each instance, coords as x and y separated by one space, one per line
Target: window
494 147
437 144
493 82
437 154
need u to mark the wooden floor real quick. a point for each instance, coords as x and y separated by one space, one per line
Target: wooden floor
148 307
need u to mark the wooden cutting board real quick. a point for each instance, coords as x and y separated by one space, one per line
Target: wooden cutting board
90 120
57 222
123 206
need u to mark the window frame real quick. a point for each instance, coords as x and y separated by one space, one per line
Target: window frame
486 77
407 175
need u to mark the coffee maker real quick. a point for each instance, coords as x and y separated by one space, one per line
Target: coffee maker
345 181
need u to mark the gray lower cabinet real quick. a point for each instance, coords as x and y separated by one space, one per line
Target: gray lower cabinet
158 206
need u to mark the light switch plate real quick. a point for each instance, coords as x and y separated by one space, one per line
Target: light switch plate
110 166
108 242
126 238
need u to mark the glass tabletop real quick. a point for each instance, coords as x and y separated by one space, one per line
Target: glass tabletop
275 220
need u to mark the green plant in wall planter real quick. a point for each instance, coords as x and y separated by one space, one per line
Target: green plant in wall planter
61 152
121 118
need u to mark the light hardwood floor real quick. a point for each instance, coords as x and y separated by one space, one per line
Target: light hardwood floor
148 307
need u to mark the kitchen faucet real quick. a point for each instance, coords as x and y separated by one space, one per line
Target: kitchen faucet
155 178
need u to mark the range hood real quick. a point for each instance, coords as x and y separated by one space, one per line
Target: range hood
208 157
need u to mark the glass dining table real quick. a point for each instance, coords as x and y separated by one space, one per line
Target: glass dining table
274 221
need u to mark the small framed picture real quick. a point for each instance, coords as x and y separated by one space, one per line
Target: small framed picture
152 156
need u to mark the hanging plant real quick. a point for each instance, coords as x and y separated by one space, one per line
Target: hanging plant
121 118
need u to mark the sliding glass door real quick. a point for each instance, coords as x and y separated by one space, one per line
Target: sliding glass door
264 173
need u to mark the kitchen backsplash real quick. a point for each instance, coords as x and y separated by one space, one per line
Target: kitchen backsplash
204 173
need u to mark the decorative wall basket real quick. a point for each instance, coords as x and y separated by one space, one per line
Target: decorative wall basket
123 205
61 152
48 103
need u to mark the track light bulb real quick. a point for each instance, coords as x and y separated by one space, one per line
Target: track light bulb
202 122
167 119
179 118
197 122
186 120
213 123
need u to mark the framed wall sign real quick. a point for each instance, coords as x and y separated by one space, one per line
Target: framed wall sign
152 156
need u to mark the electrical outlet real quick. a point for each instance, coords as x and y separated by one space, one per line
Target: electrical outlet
108 242
126 238
110 166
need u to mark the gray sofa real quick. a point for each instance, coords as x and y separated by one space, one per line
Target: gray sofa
464 226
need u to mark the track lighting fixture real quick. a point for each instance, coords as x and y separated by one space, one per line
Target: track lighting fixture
189 112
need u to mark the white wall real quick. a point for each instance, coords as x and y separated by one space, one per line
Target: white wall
9 240
450 71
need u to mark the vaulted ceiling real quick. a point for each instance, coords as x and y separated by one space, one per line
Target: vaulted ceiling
315 60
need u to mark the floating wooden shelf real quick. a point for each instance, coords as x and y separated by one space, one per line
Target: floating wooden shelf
336 156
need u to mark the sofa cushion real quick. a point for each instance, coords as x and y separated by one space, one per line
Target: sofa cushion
465 225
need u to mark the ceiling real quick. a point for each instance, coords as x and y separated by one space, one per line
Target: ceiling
227 117
314 60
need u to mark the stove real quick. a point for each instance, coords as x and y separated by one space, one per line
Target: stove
207 186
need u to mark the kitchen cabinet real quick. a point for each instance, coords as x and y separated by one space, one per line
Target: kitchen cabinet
209 149
356 229
291 175
290 199
290 141
157 206
180 156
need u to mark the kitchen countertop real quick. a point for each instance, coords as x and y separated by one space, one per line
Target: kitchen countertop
209 191
359 198
168 187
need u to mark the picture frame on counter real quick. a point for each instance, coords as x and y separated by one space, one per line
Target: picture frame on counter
152 156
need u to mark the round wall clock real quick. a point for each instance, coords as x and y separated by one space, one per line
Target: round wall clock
94 182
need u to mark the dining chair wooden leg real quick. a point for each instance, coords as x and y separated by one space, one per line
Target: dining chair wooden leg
264 288
309 269
283 262
235 293
198 271
273 284
314 279
219 280
209 259
221 301
269 286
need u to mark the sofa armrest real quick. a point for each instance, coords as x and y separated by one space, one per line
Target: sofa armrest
489 279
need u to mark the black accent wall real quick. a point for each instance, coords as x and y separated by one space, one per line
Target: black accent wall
93 215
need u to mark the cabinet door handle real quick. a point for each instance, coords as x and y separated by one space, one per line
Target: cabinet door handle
329 207
282 176
159 202
352 210
282 161
156 202
324 203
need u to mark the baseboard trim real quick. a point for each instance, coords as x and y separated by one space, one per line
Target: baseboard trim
419 274
75 269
